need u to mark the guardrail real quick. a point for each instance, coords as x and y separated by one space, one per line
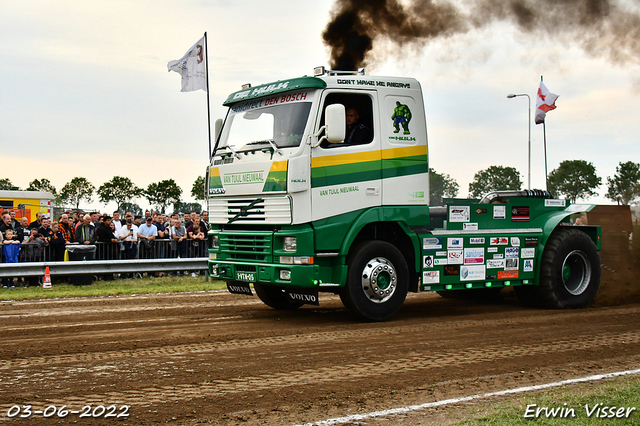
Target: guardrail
99 267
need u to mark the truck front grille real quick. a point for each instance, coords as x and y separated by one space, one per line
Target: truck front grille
236 246
244 210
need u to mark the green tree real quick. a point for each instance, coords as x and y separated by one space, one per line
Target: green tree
197 190
163 193
75 191
574 179
135 209
187 207
119 189
441 185
42 185
495 178
624 186
6 185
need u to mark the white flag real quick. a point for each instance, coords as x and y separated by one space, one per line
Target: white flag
192 68
545 103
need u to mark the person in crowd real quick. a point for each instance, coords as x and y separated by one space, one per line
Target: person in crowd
24 229
14 222
163 235
187 220
197 240
6 223
57 243
95 219
205 220
179 237
116 221
65 227
147 233
104 235
86 233
129 237
45 231
38 222
10 253
137 220
32 251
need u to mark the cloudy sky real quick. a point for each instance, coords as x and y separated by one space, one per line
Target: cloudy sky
85 89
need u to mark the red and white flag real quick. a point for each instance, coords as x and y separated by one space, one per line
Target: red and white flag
192 68
545 103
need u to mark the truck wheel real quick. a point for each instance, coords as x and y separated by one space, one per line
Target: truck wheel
569 271
275 297
377 281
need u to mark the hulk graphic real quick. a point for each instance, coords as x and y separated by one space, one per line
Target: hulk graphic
401 116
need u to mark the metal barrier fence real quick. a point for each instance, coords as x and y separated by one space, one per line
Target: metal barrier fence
162 255
157 249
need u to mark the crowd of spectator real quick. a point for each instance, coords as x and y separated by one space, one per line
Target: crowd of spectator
104 237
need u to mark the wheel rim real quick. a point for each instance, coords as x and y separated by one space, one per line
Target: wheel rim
379 280
576 272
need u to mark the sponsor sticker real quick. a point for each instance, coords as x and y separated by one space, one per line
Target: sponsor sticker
459 213
476 240
555 203
528 253
427 262
455 243
511 252
430 277
499 241
439 262
432 244
498 256
520 214
472 272
441 253
455 257
527 265
492 249
503 275
530 241
511 264
473 255
499 212
452 270
515 241
495 263
471 226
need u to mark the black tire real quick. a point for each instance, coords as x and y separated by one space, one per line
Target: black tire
481 294
275 297
377 281
569 272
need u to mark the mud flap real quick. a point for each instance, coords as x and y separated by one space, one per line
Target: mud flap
239 287
308 297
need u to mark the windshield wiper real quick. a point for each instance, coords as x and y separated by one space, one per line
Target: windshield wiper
271 142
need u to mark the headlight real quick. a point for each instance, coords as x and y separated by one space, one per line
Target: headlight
215 242
289 243
296 260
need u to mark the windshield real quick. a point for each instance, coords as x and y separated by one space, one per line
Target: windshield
281 123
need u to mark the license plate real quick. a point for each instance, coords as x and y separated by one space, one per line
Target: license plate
246 276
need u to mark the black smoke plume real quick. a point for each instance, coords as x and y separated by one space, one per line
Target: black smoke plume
605 28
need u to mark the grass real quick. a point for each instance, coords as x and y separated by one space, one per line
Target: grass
618 392
115 287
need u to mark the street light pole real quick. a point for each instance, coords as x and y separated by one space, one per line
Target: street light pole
524 94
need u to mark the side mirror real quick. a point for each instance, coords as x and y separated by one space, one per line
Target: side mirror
217 128
335 124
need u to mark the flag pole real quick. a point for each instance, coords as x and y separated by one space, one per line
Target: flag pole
206 56
544 132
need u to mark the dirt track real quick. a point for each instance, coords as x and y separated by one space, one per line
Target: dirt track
219 359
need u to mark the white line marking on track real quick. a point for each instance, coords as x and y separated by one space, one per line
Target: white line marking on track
410 408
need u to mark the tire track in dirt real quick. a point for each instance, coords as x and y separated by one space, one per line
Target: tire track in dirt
300 340
355 371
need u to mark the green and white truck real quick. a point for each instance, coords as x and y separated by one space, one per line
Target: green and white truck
297 209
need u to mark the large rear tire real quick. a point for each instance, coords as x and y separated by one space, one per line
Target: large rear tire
569 272
275 297
377 282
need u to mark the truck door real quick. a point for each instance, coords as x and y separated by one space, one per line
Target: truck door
346 177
